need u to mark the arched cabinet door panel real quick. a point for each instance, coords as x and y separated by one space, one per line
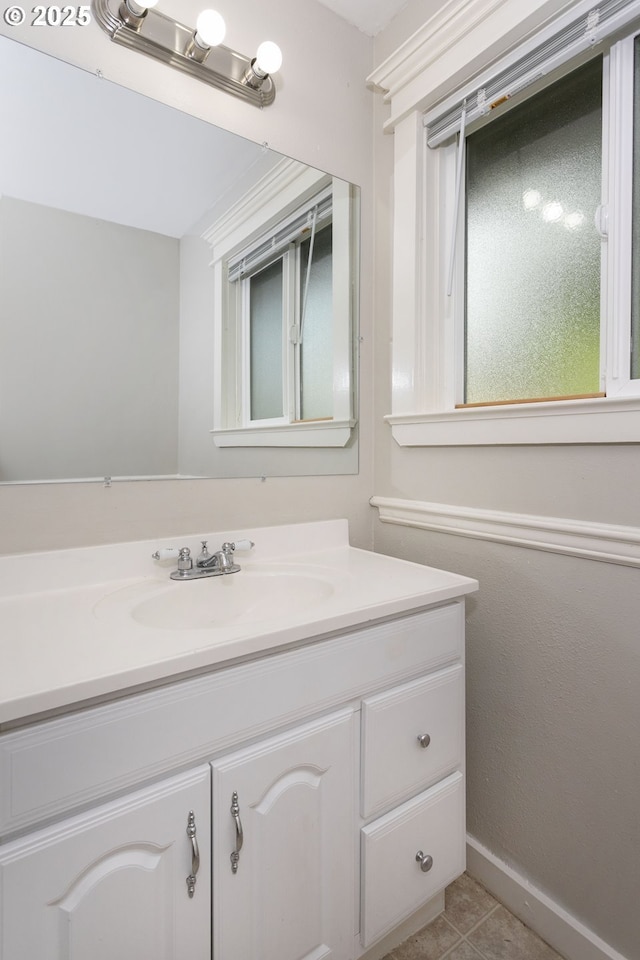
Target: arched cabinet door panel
284 842
119 881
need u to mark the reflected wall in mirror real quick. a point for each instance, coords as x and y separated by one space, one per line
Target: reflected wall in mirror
118 353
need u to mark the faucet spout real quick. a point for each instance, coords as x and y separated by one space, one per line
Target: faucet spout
222 559
207 564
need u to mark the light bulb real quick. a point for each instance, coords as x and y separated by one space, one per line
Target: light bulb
210 28
268 57
138 9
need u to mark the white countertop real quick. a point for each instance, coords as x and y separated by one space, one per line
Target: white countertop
70 631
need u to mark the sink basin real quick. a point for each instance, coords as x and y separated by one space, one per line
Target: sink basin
244 597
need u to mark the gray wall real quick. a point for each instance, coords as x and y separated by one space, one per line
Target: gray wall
553 732
553 716
88 340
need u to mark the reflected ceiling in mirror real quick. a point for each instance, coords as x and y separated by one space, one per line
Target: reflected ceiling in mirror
101 189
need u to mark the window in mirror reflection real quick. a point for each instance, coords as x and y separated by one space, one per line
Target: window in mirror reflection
288 318
286 323
264 293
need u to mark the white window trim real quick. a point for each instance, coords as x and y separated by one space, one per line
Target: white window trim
315 433
458 41
276 195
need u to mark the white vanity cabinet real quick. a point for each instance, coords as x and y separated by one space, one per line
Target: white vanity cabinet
324 771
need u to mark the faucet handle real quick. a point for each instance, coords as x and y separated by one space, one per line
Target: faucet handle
165 553
204 554
225 555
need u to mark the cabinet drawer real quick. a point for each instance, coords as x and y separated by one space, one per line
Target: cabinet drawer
394 884
395 764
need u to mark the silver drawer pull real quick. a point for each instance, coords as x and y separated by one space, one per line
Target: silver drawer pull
235 813
424 740
195 853
425 861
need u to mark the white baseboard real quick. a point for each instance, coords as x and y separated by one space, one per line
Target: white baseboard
538 911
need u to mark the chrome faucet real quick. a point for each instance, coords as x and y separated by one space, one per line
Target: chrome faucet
221 560
207 564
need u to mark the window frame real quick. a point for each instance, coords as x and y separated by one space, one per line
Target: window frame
275 198
293 266
243 315
427 340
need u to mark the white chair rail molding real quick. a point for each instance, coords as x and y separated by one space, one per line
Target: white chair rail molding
607 542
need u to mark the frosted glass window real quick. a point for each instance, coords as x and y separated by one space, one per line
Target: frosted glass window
316 351
533 253
265 343
635 298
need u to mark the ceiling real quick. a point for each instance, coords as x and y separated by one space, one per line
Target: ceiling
370 16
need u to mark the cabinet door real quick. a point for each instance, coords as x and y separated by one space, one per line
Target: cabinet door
291 895
112 883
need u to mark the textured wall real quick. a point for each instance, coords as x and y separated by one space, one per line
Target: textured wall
553 717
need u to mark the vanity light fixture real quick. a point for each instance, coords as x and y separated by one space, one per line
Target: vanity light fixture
198 52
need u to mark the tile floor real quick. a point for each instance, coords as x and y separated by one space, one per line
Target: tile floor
473 926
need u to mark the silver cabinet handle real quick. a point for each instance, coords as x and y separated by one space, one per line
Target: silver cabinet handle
195 853
425 861
235 813
424 740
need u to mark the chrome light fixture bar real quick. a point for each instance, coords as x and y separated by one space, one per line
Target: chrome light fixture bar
198 52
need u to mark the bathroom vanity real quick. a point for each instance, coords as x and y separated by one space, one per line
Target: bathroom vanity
267 768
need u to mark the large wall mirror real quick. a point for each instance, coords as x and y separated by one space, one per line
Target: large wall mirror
111 205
